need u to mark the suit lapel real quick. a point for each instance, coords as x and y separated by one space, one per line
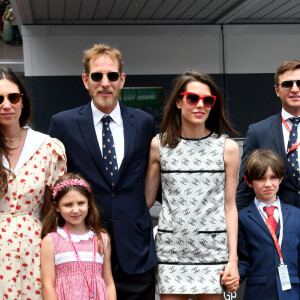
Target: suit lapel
285 212
257 218
129 126
279 143
88 132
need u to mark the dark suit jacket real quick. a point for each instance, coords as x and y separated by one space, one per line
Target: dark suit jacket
258 257
123 208
267 134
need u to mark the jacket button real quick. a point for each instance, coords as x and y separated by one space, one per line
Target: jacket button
113 195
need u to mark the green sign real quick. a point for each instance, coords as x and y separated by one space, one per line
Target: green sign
141 97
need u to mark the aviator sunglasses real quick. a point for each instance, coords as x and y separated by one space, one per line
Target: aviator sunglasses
193 99
112 76
14 98
289 83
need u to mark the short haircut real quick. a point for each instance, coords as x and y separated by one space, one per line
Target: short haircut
258 162
99 50
288 65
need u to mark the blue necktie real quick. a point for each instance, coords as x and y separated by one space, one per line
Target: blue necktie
293 155
108 150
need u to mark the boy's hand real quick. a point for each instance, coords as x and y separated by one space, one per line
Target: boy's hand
231 282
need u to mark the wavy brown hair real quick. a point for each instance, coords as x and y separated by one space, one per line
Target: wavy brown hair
54 218
170 129
99 50
7 73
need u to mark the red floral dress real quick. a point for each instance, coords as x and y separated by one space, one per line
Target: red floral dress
41 163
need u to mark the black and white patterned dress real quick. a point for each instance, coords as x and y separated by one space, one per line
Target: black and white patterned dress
191 241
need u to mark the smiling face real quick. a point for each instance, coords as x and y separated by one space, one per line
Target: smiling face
74 207
290 97
9 113
194 114
104 93
266 187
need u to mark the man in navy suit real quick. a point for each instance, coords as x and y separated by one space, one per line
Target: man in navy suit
258 256
122 204
273 133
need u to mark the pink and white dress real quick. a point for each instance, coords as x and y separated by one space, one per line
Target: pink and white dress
70 281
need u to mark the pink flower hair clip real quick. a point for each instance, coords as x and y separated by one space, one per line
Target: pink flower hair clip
67 183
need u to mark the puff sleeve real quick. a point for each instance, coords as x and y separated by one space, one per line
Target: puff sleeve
57 166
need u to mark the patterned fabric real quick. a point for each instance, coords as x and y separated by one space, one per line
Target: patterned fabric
191 242
20 220
270 212
293 155
109 152
70 282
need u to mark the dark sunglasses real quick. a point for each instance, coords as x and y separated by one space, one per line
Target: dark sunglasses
14 98
112 76
193 99
289 83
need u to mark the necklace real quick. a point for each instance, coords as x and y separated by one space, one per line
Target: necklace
11 140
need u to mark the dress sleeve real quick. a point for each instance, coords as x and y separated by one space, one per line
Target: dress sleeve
57 162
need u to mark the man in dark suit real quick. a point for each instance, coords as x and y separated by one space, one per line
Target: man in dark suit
119 193
273 133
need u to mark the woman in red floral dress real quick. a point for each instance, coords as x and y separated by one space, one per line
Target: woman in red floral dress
31 163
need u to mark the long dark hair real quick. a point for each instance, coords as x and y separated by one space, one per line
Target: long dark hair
54 218
7 73
170 130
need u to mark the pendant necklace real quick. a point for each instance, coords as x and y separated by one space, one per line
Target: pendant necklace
11 141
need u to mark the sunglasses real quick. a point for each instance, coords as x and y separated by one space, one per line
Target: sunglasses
289 83
112 76
14 98
193 99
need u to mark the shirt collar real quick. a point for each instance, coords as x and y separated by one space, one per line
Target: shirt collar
286 116
98 114
261 205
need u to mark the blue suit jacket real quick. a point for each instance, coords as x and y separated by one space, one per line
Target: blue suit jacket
258 257
123 208
267 134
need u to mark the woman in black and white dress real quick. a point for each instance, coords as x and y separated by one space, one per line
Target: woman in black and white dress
197 165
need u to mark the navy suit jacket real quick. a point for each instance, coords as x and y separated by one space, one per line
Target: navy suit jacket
267 134
123 208
258 257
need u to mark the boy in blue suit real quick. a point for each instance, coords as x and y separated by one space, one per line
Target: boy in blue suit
259 257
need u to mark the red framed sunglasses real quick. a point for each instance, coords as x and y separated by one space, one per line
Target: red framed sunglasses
193 99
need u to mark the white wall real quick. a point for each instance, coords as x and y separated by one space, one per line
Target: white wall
156 49
57 50
260 48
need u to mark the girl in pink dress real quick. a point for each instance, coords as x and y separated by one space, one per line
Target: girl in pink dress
76 251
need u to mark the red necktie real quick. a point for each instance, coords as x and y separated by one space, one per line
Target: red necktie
270 211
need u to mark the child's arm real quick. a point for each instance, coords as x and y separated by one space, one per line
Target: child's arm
231 159
107 274
48 269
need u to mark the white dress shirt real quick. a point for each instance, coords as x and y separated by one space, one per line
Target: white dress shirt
116 127
260 206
